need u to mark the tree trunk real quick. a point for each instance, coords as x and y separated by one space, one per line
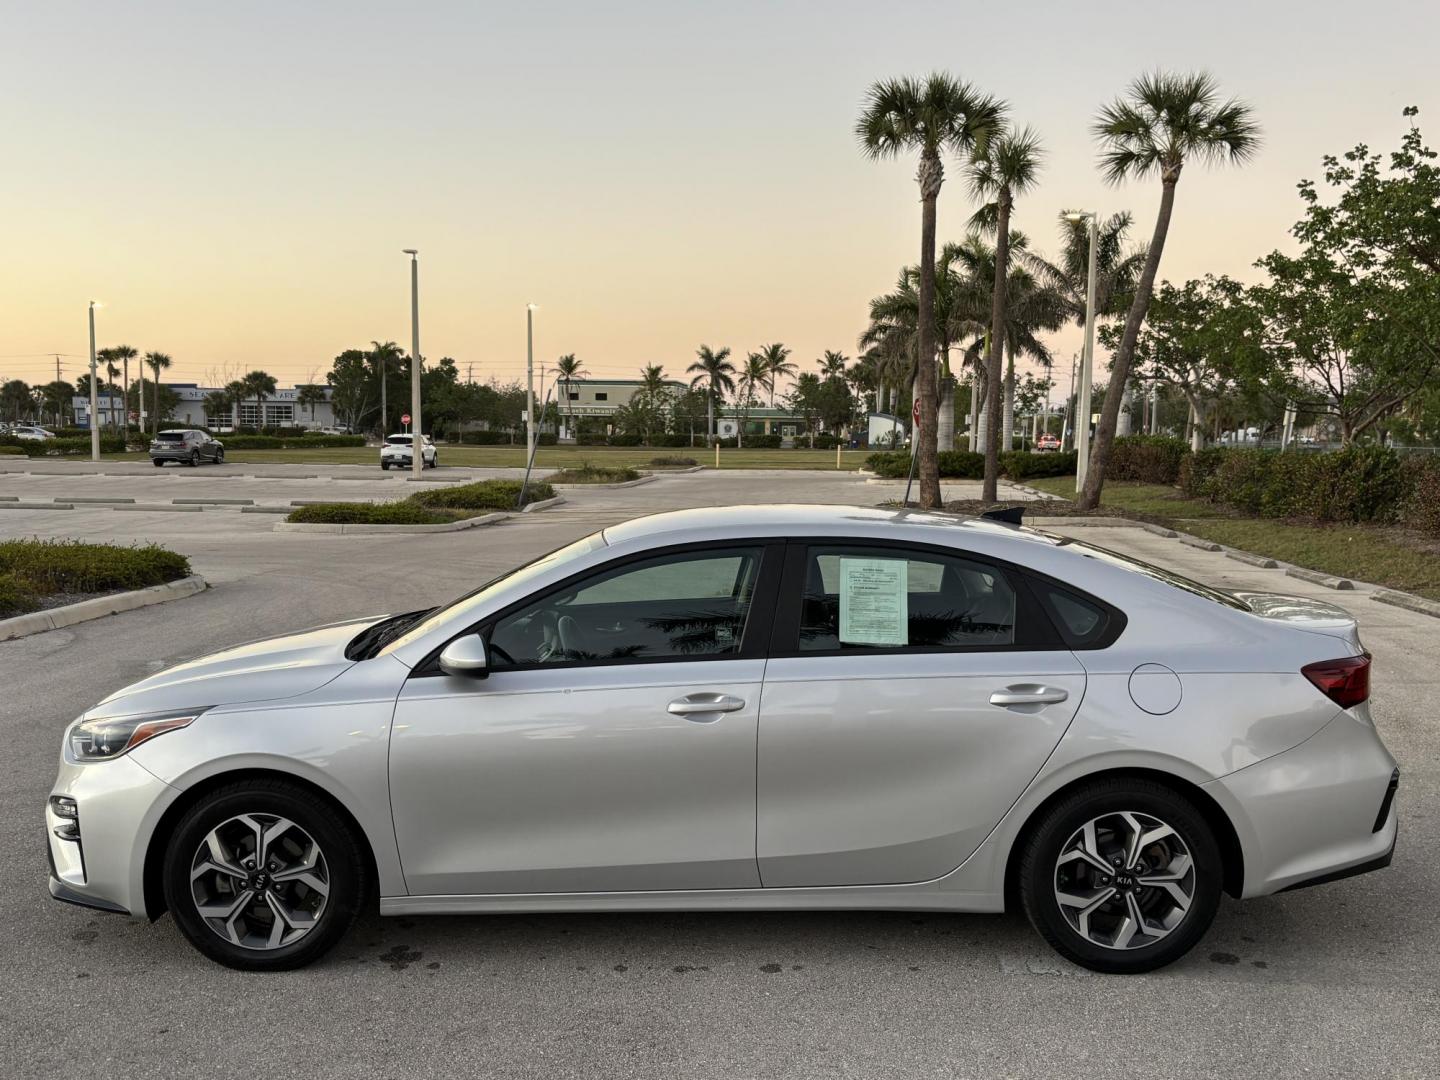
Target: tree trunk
997 338
974 433
930 177
1120 370
1007 431
945 425
710 413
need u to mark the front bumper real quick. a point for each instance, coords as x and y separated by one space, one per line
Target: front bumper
118 803
1319 812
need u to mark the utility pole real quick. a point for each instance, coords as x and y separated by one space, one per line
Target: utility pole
417 440
1068 427
530 382
94 394
1087 363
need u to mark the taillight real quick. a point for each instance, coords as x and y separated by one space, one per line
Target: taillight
1345 682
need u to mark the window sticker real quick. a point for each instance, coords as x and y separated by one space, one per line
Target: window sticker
873 601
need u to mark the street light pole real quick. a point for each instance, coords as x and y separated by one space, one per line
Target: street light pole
529 382
94 394
1087 359
417 441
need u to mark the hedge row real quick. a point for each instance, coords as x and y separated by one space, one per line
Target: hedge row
290 442
1150 459
969 465
109 444
31 569
433 507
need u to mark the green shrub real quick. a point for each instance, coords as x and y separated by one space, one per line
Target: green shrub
16 598
1023 465
1354 485
620 438
403 512
669 439
594 474
109 444
484 438
762 442
15 451
1149 459
823 441
671 461
1422 504
482 495
290 442
1198 470
47 567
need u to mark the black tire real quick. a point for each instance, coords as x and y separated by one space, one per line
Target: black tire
194 459
384 466
219 457
1037 873
157 463
344 859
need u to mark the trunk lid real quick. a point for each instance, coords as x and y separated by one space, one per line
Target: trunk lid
1305 613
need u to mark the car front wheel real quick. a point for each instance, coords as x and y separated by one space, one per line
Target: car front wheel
263 876
1122 876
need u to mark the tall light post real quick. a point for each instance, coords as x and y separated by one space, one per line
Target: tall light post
94 394
1087 359
417 441
529 381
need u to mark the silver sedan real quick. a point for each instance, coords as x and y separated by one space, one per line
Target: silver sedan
747 708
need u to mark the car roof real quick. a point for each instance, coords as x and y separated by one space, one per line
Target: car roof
794 519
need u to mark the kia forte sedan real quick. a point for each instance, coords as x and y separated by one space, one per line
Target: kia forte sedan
789 707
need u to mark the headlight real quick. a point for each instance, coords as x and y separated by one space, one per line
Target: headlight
105 738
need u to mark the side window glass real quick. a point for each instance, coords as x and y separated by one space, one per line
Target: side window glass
1081 621
686 606
878 598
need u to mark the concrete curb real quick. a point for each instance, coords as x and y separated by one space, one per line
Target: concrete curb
266 509
1196 542
17 505
1253 560
38 622
163 508
217 502
543 504
656 470
1159 530
1408 601
386 530
622 484
1330 581
9 498
95 499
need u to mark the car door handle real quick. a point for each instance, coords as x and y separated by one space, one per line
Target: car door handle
1028 694
695 706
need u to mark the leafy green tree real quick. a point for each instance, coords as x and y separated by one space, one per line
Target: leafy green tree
804 401
1356 313
259 385
352 388
753 377
386 358
927 117
309 396
124 354
778 365
1162 122
713 370
1007 165
218 404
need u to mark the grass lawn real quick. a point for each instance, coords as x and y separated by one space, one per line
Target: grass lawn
552 457
1397 558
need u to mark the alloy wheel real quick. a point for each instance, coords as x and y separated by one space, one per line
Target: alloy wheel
1124 880
259 881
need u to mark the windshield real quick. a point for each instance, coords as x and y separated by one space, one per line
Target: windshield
170 436
521 574
1136 566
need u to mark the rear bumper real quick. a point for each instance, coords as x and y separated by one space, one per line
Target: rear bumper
1321 811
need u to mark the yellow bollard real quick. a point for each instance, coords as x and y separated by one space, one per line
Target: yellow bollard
837 455
717 453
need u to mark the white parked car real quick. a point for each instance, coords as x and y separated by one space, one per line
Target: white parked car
31 433
397 451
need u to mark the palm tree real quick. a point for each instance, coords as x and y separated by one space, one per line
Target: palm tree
752 377
1116 265
157 362
1007 166
259 385
1162 122
217 403
568 369
105 358
126 353
714 370
778 365
310 395
382 356
652 378
937 114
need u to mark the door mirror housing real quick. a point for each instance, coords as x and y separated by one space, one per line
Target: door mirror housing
465 656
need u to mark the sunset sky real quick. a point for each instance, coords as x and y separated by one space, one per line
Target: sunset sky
235 182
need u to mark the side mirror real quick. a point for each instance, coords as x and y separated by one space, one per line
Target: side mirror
465 656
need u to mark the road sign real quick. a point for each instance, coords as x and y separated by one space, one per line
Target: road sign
915 413
405 418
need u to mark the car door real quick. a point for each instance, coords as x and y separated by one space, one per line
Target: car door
611 746
910 696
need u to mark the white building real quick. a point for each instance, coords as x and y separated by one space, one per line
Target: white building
281 409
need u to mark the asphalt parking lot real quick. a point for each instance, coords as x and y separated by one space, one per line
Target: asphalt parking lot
1339 980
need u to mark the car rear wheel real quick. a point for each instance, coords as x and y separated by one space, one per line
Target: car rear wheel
219 457
263 876
157 462
1122 876
385 466
194 459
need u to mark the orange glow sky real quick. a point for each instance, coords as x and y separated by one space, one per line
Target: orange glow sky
236 182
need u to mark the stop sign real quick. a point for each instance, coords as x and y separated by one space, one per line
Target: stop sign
405 419
915 412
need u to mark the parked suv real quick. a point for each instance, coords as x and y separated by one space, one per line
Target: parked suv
186 447
397 451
